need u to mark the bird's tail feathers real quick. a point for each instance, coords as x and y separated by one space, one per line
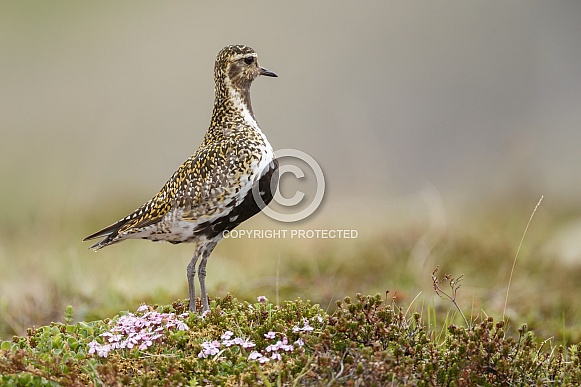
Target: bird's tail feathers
109 235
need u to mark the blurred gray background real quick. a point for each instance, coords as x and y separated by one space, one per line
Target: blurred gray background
477 100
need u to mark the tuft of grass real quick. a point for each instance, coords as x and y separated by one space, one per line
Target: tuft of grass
516 255
368 340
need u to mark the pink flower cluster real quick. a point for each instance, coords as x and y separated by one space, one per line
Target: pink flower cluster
271 352
306 327
139 330
235 341
212 348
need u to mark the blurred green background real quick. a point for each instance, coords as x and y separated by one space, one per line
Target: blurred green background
438 125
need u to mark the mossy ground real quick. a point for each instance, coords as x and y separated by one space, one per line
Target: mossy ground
409 336
368 341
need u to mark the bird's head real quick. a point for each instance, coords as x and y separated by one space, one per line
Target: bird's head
238 66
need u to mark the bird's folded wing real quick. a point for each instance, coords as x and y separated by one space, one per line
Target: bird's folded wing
203 186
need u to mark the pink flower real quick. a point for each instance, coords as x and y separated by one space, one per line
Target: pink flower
102 350
142 308
270 335
305 328
145 344
236 341
209 348
262 299
254 355
280 345
258 356
248 344
137 331
227 335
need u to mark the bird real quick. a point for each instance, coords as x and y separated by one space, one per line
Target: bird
231 177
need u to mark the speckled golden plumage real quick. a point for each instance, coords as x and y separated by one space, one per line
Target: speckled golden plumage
211 192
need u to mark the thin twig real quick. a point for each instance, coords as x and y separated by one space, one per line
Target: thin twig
454 286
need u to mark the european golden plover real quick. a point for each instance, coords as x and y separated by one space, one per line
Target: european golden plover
217 188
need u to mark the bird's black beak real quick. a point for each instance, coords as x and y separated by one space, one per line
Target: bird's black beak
267 73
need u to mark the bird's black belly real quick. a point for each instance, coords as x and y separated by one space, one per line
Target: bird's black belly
246 209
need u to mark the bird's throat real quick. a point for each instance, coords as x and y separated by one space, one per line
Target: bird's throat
240 100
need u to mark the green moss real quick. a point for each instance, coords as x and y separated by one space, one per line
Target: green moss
366 341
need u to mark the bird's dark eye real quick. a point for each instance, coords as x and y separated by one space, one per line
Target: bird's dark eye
249 60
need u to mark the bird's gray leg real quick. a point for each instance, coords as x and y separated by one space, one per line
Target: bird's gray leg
202 275
191 274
